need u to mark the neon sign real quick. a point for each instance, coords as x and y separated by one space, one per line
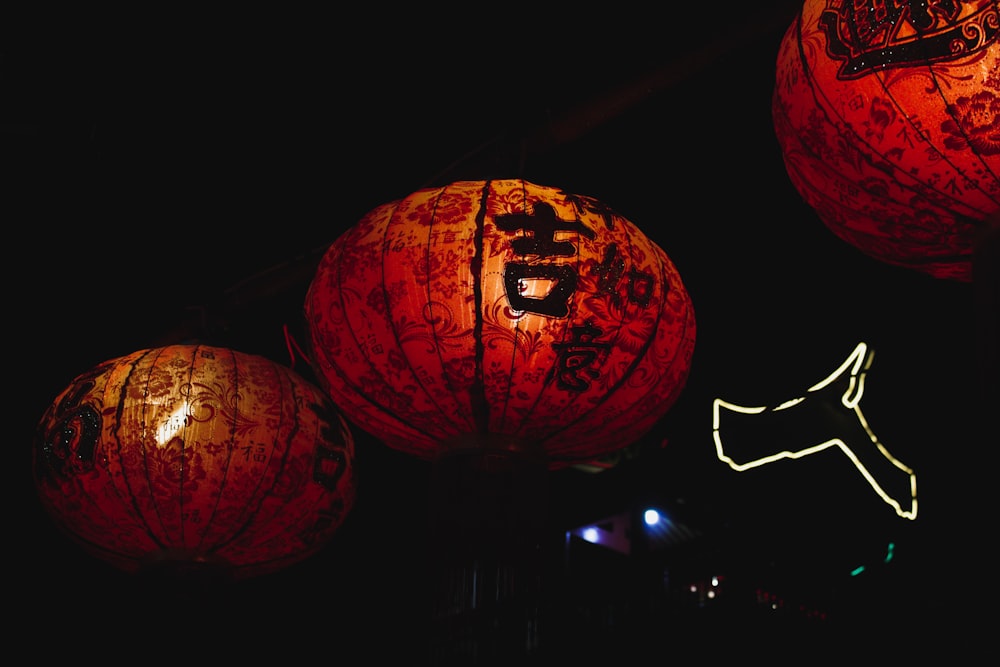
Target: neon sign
818 421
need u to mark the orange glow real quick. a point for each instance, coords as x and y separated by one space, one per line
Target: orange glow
888 115
501 311
197 454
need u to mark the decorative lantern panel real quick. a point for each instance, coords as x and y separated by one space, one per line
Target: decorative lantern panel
500 311
195 454
888 117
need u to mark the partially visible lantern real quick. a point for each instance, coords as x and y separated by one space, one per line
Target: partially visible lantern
888 117
500 314
190 455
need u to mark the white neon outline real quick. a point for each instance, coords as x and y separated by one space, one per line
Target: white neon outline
857 363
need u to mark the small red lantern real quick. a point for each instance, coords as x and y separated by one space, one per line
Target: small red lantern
190 455
500 313
888 117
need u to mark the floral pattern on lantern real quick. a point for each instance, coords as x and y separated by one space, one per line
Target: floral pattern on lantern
888 118
500 311
195 454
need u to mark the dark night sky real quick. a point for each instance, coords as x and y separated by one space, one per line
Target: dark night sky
164 174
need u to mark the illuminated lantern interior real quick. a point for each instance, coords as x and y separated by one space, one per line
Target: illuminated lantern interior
191 454
502 314
888 117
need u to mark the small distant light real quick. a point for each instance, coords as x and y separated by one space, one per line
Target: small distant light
591 535
652 517
715 581
693 588
711 594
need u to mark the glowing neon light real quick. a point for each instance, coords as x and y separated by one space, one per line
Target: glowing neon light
869 462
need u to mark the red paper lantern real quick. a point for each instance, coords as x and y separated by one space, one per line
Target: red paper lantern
888 117
500 313
190 454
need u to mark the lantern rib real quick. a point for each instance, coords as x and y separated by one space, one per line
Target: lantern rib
684 339
433 330
186 449
409 425
623 318
251 509
255 520
387 424
669 399
941 155
143 442
478 416
333 257
146 450
132 499
636 361
538 358
903 178
477 392
502 418
820 194
127 501
965 135
283 382
548 381
513 356
230 448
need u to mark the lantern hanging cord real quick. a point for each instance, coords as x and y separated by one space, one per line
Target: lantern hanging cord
293 346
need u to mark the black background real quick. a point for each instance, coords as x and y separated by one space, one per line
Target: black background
180 176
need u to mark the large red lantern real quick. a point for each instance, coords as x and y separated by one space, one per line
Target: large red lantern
888 117
504 314
191 455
